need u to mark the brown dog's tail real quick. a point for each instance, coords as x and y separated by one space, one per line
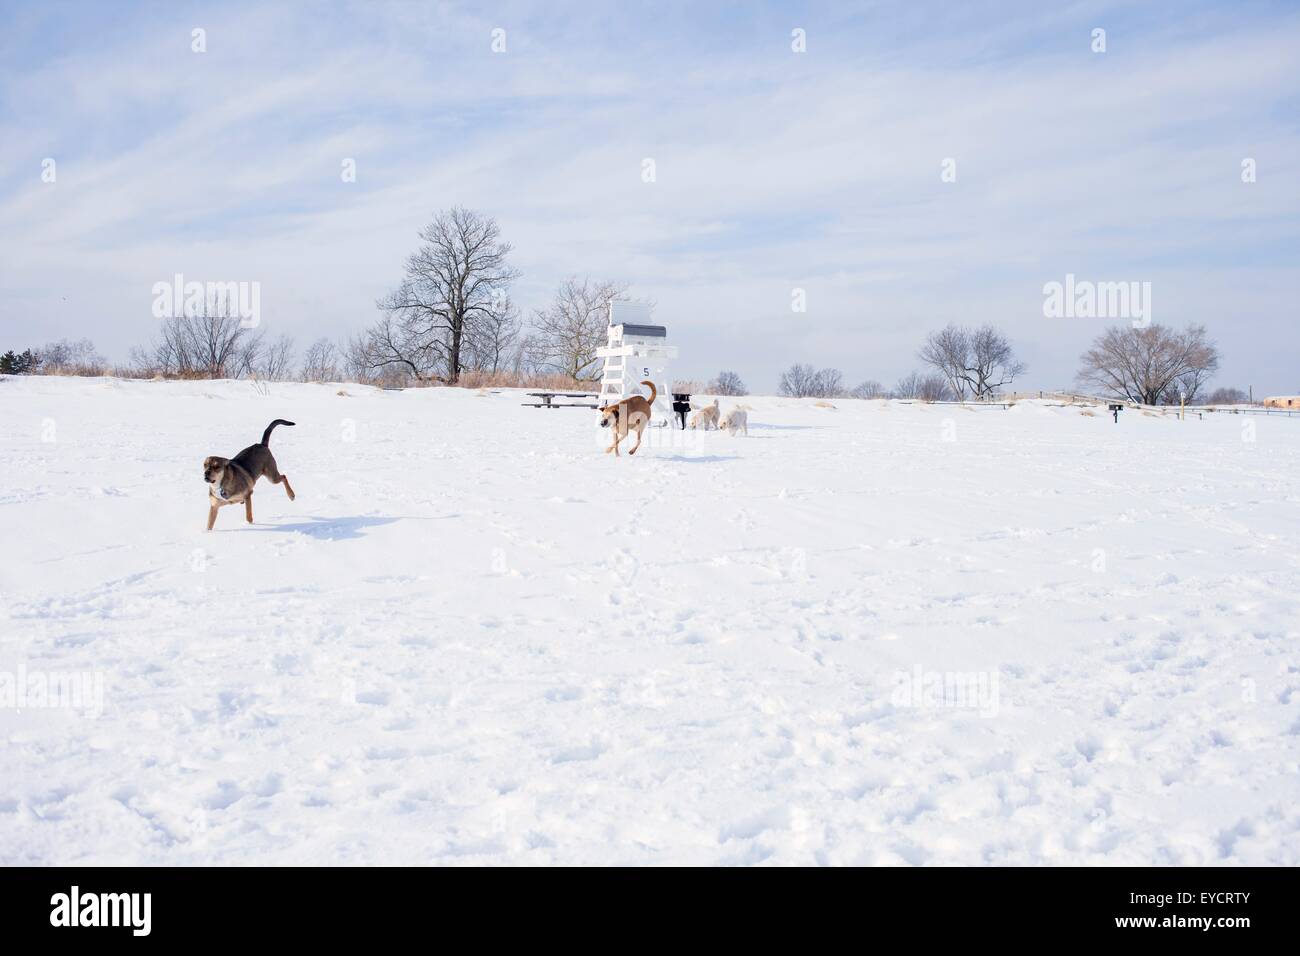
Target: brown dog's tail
266 435
653 391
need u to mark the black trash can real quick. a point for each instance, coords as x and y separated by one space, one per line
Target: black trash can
681 405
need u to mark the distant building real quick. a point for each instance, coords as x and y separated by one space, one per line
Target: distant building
1282 401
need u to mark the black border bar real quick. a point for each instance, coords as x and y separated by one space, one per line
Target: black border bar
332 905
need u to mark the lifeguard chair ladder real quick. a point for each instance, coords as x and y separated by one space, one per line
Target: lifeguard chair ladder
636 351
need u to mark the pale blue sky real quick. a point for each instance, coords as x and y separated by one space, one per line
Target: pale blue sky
775 170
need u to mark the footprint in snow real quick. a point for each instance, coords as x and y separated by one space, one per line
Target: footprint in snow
750 827
1089 747
578 754
269 785
227 793
560 694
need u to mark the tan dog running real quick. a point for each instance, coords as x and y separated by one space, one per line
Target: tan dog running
706 417
631 412
231 480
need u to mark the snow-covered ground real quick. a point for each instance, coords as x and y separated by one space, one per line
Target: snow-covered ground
475 638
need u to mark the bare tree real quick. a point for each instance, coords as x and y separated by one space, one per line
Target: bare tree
273 362
219 342
993 362
908 386
1187 386
828 383
803 381
975 362
868 389
389 350
67 357
354 360
491 342
454 281
1227 396
567 332
948 353
249 355
212 343
798 381
521 356
320 362
926 388
1144 364
142 362
54 357
727 383
174 352
935 389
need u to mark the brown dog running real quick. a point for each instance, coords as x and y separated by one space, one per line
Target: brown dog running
631 412
231 480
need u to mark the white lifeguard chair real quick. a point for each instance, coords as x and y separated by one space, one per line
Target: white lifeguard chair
636 351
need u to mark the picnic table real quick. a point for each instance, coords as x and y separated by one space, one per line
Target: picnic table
546 400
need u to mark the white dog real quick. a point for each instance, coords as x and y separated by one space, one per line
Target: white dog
706 417
736 420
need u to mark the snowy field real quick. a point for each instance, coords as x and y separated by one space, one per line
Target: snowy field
876 633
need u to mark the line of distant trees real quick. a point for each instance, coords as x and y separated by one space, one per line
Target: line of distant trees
805 381
1149 365
65 357
961 363
451 320
1153 365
